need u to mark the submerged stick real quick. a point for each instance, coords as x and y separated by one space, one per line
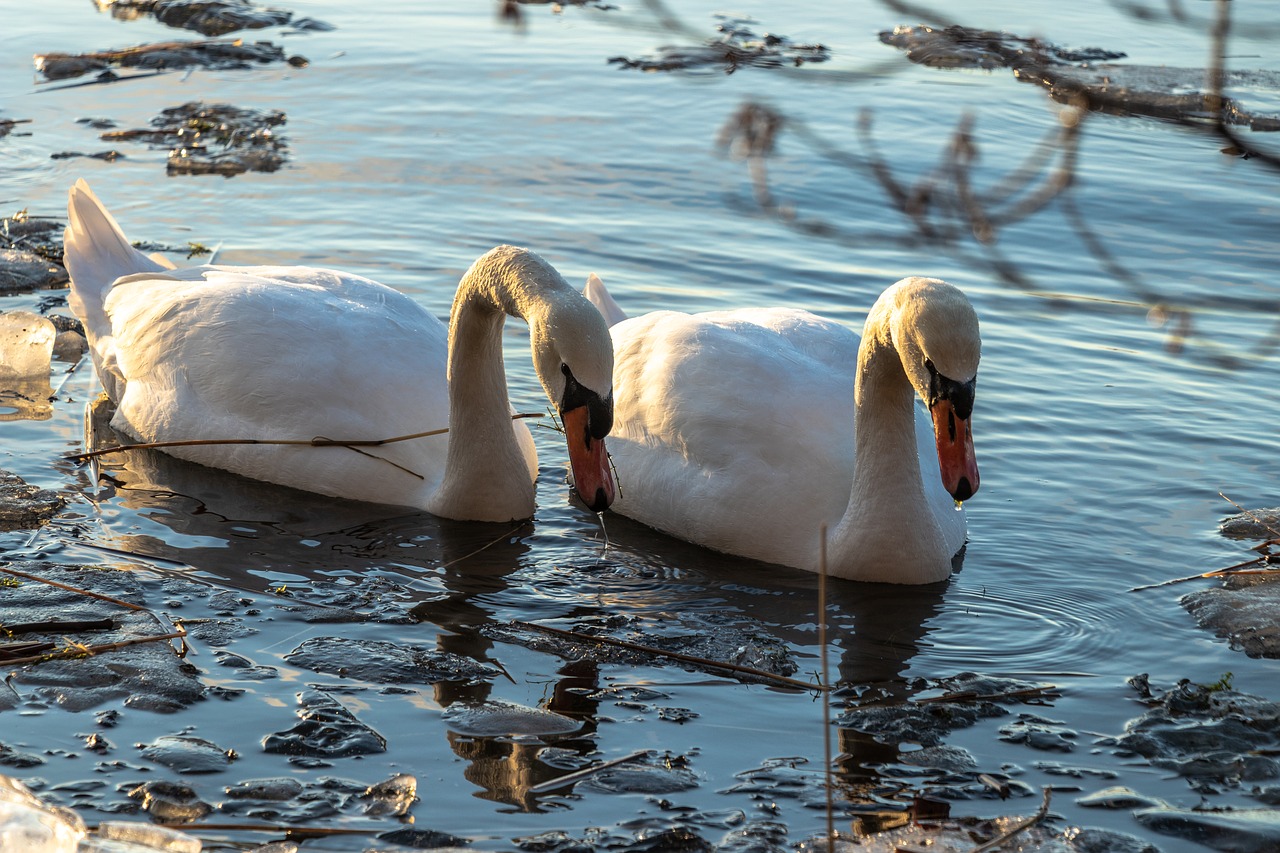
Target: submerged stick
624 644
75 651
586 772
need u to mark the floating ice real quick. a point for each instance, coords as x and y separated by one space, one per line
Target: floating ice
26 345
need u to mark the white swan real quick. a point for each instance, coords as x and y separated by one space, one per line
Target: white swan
746 431
267 352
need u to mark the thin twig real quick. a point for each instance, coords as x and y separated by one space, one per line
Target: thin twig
999 840
317 441
578 775
90 651
130 605
624 644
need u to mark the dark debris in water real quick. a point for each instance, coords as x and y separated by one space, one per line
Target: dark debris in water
1089 76
213 139
214 55
736 46
383 662
1245 610
701 639
212 17
1213 736
8 124
325 729
927 723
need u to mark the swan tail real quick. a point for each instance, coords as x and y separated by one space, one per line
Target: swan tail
96 253
600 297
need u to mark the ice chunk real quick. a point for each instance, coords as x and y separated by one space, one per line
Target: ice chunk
29 825
148 836
26 345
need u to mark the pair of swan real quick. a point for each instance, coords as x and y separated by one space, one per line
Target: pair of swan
729 429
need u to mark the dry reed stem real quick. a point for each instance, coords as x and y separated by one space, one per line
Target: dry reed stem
586 772
828 775
1237 569
130 605
624 644
1249 513
1022 827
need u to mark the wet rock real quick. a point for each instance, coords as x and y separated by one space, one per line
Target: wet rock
325 729
1105 841
495 719
394 796
423 839
170 802
185 754
22 271
23 506
735 46
147 675
1255 524
280 789
1118 797
213 139
244 667
10 757
1240 831
386 663
212 17
966 47
218 632
1246 611
162 56
759 836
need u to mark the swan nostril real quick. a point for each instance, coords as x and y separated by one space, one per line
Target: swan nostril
601 501
963 490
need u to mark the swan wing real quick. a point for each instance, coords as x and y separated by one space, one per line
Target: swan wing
734 429
284 353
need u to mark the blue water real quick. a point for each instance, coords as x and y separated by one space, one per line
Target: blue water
422 134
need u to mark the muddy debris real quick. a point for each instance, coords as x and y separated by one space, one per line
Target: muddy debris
213 139
212 17
211 55
1244 610
8 124
1239 831
1089 76
735 46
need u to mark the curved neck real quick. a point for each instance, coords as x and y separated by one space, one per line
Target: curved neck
487 476
888 532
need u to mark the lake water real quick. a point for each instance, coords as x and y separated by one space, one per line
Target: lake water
422 134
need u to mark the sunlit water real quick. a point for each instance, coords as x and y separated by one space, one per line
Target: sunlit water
423 134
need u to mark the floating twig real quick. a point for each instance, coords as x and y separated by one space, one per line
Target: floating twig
578 775
1252 515
680 656
1022 827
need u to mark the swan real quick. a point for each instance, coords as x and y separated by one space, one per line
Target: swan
290 352
746 431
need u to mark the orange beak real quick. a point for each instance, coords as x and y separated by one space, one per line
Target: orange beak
954 439
588 461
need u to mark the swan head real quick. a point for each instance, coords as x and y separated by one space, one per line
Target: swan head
573 357
935 331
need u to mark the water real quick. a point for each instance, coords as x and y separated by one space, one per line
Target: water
423 134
